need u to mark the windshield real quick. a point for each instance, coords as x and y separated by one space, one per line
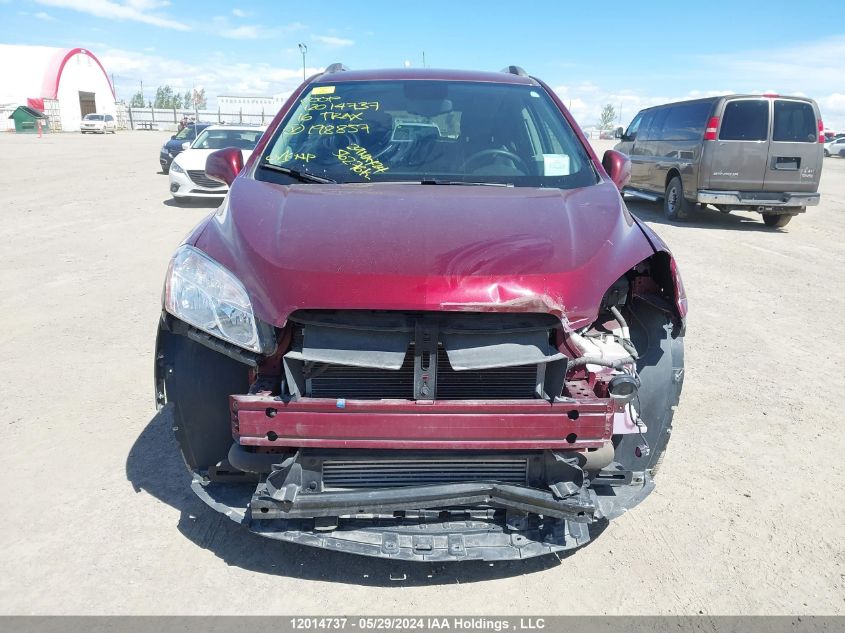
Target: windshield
429 130
187 132
218 139
93 117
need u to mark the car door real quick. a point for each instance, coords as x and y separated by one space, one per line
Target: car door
680 146
655 168
795 154
639 152
736 160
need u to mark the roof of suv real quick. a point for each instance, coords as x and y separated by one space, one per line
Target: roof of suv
422 74
729 96
238 127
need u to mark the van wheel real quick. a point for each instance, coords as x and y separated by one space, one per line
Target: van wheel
675 206
777 220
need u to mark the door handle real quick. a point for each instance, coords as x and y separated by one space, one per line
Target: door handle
786 163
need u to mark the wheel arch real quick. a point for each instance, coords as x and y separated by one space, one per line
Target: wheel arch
671 174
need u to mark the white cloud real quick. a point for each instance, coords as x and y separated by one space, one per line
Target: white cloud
41 15
811 67
239 13
246 32
331 40
814 69
147 5
222 26
586 102
132 10
217 75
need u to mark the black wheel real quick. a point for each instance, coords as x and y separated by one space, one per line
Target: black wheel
661 371
675 206
777 220
826 154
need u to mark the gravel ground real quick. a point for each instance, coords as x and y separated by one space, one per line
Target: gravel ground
99 517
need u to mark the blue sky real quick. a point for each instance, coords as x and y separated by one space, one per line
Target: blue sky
631 54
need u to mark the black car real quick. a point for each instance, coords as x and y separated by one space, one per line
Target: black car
174 146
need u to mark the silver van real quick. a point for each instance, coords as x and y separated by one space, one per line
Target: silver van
753 152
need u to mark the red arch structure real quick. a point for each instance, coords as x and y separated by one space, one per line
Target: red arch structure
53 73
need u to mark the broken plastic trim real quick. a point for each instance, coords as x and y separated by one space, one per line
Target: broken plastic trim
292 504
266 334
381 341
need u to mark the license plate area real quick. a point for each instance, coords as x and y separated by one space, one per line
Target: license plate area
787 163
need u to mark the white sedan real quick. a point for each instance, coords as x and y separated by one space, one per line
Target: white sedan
97 124
187 171
836 147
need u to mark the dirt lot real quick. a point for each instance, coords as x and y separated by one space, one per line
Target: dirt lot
98 516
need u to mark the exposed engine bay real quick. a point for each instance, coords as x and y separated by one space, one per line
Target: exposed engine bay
433 436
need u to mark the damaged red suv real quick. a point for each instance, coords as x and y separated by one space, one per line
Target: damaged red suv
423 325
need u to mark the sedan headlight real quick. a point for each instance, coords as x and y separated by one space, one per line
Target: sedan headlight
175 168
202 293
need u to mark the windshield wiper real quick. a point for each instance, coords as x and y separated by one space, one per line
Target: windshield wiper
301 176
434 181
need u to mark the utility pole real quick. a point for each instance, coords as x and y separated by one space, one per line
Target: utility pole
303 49
424 66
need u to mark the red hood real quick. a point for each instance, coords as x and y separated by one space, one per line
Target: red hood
424 247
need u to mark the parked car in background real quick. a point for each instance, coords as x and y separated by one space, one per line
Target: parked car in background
187 171
752 152
423 325
97 124
179 142
835 147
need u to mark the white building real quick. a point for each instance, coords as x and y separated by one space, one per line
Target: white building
64 83
232 105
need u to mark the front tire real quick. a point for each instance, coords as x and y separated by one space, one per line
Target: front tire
661 371
826 154
777 220
675 206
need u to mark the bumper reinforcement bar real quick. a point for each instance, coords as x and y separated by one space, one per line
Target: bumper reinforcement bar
290 502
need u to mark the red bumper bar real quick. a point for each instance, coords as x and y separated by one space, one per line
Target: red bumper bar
400 424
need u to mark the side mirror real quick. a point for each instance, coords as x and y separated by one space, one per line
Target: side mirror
186 145
225 164
618 167
619 133
173 137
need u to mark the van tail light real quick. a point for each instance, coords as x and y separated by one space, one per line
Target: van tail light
821 131
710 130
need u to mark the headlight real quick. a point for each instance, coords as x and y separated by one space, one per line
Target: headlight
201 292
176 168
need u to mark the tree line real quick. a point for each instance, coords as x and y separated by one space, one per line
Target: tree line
166 97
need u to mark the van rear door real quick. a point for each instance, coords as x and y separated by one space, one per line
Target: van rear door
736 161
795 154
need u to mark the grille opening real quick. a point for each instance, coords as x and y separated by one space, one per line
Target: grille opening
365 383
198 176
424 372
395 473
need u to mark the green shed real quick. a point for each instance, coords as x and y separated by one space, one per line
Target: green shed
26 120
